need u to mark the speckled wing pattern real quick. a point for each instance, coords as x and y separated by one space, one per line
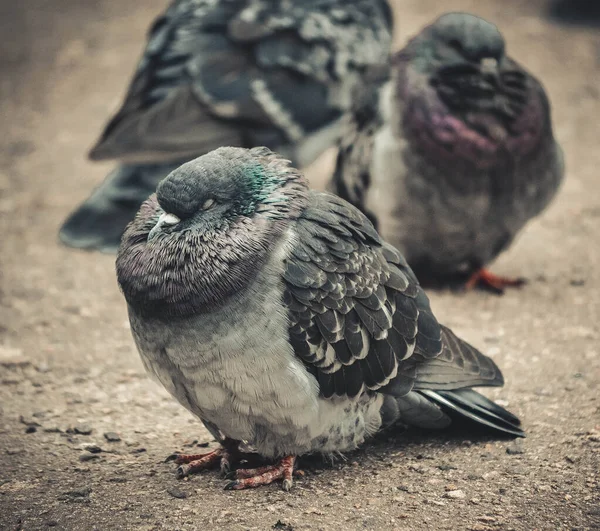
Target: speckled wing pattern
352 176
358 317
269 71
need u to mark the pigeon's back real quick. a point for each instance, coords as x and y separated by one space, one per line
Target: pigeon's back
246 73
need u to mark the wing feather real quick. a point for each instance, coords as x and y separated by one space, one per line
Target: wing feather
358 317
244 73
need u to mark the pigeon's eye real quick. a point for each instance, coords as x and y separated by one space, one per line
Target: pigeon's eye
456 44
208 204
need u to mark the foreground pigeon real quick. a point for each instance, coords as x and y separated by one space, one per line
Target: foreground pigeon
231 73
453 154
279 317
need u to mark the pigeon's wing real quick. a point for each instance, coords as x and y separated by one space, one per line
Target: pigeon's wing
245 73
312 56
358 317
163 116
352 176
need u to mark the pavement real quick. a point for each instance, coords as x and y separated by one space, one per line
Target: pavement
84 433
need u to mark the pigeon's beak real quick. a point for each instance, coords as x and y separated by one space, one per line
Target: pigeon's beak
490 69
165 220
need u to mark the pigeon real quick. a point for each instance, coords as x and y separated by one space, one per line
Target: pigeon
451 152
278 316
231 73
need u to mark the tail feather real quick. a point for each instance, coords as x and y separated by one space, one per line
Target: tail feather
178 127
472 405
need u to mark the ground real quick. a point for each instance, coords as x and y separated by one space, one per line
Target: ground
70 374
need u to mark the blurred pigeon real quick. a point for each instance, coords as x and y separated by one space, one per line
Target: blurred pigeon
231 73
453 153
100 221
279 317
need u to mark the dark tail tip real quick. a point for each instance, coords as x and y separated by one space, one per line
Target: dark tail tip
98 153
472 405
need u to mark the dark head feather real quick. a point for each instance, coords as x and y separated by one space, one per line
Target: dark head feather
472 37
463 97
232 206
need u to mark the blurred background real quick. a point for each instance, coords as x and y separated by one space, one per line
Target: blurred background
67 360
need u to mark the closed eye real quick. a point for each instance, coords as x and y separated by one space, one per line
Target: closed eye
456 44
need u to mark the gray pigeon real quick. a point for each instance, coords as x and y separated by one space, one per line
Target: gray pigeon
279 317
242 73
452 153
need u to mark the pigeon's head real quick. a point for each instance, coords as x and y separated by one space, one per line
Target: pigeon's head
210 227
461 38
473 93
458 45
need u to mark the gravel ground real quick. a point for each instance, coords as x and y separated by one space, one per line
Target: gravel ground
84 434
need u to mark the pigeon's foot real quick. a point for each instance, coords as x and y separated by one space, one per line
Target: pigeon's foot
221 458
191 464
497 284
247 478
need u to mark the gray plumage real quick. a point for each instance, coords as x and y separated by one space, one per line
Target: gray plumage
454 152
246 73
278 315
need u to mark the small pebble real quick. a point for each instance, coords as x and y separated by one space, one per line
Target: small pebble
92 448
13 358
138 451
28 421
42 367
455 495
445 468
111 436
30 429
407 488
87 456
82 429
435 502
282 525
83 492
177 493
515 448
